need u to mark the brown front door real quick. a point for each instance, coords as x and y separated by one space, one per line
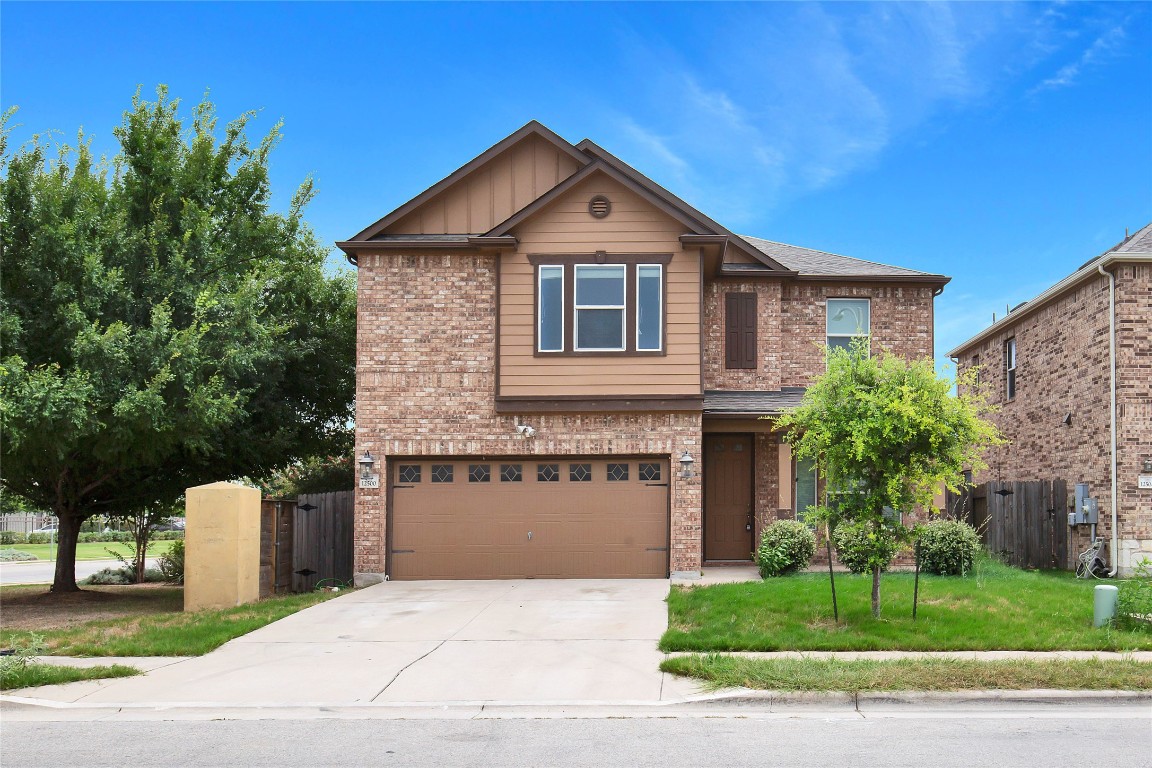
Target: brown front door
727 497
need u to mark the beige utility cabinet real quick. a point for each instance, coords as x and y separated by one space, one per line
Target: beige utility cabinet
222 546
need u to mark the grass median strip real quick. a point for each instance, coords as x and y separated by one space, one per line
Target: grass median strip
51 674
994 608
912 674
98 550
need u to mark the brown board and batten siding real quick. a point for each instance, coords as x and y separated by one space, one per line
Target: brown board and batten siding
492 193
566 228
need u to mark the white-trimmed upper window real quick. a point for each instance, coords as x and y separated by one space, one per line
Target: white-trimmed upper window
599 308
847 320
1010 369
649 307
550 317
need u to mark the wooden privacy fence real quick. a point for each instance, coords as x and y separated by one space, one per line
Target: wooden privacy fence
1026 523
322 550
277 521
306 541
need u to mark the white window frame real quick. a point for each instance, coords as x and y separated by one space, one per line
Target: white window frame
1010 363
540 307
828 335
659 308
576 307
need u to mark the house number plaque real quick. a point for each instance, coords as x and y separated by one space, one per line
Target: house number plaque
370 481
1144 481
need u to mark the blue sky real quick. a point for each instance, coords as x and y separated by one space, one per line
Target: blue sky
1002 144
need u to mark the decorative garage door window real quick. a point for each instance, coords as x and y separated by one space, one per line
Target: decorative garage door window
580 473
511 473
617 472
409 473
547 473
649 471
441 473
479 473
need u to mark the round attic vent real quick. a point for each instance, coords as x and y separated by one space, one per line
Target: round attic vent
599 206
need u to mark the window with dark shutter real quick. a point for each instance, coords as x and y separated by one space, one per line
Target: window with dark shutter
740 330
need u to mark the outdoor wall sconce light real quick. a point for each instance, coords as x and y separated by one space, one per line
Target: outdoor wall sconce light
686 462
526 431
366 465
1148 464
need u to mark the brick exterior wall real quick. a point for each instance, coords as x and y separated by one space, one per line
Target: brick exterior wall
426 386
1063 368
791 328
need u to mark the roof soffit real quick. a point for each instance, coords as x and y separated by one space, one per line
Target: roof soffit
532 129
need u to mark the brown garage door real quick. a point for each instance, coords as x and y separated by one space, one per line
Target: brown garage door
539 518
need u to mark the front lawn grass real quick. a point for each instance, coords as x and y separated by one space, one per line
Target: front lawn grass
92 550
159 628
994 608
50 674
933 674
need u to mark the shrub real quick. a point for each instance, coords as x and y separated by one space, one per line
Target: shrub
15 555
40 538
1134 600
168 536
857 550
948 547
172 563
785 546
111 576
13 537
11 665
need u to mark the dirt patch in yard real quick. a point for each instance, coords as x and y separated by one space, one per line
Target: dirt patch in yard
34 607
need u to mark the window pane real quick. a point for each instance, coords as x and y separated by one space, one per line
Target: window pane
600 286
648 310
599 329
551 309
847 316
805 486
840 342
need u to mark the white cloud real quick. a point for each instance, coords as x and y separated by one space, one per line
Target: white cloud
1100 48
781 100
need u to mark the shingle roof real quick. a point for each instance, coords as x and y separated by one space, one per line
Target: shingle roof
1140 242
810 262
770 402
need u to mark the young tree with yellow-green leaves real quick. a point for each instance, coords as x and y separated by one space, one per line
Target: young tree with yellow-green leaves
886 433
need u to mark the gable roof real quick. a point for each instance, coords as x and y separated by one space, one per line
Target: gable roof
531 128
768 258
1135 247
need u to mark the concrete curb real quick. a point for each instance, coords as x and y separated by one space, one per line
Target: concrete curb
734 703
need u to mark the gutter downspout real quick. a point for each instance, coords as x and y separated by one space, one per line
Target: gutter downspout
1112 362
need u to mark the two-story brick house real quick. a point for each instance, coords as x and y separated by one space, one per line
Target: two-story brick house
564 370
1067 367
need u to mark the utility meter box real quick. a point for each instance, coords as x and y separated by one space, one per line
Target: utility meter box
1086 510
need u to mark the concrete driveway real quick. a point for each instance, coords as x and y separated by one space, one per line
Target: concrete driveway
528 641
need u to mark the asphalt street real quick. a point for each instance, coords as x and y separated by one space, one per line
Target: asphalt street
914 739
41 571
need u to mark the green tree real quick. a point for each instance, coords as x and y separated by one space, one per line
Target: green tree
887 433
161 326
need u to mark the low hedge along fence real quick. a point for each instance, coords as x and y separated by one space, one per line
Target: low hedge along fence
111 537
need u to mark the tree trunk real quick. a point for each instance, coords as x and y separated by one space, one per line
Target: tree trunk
64 579
875 591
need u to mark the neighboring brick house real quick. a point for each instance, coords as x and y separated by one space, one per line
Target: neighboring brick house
1048 365
563 370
